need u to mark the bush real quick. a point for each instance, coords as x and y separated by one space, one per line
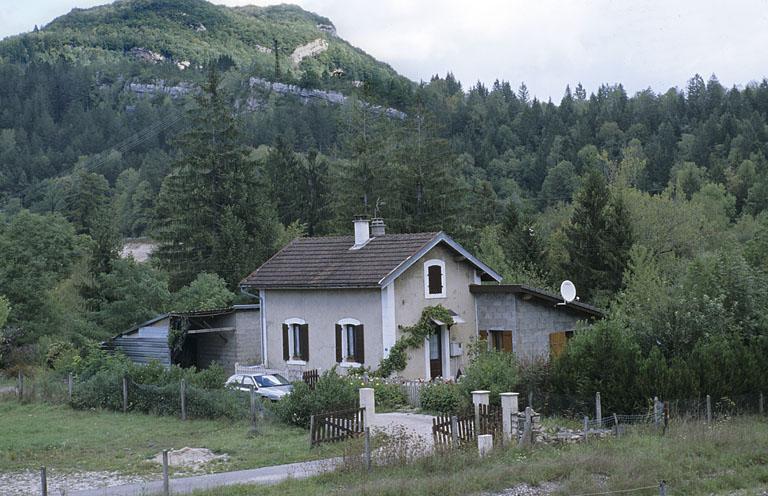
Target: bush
388 396
494 371
443 398
332 392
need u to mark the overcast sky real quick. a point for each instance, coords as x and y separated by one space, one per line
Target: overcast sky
547 44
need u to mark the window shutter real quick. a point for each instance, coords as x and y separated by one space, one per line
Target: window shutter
286 353
338 343
435 274
304 340
483 336
359 344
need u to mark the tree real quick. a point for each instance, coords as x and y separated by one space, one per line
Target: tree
206 292
129 294
598 238
213 210
5 310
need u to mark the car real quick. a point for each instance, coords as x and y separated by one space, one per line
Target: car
269 386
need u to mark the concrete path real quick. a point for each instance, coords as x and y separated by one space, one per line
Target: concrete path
412 423
186 485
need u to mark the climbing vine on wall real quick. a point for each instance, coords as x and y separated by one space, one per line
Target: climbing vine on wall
177 334
413 337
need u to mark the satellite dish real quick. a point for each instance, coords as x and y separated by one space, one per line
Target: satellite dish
568 291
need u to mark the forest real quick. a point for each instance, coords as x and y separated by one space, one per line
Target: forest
654 204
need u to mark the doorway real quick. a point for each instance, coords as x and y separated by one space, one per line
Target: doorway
436 354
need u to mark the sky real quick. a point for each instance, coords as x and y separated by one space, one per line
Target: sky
546 44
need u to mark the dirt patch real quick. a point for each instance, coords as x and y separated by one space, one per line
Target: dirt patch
28 482
191 458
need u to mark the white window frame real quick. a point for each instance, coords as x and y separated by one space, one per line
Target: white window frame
427 265
344 342
291 348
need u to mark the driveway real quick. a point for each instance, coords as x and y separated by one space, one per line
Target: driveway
414 424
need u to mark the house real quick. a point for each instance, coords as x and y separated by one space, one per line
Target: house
226 336
344 300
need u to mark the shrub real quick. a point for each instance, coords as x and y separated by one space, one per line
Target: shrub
332 392
388 396
443 398
494 371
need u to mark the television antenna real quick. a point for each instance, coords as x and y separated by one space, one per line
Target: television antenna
567 291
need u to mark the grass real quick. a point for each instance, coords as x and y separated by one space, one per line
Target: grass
726 458
61 438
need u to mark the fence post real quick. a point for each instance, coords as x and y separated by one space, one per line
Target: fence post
525 439
311 431
20 388
481 397
509 409
454 431
368 449
166 482
598 410
709 409
666 416
760 406
663 488
656 412
253 410
367 401
530 398
586 427
183 397
125 394
69 387
43 482
484 444
616 425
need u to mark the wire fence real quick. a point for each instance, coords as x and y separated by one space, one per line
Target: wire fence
122 393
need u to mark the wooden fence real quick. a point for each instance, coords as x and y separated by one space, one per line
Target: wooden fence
310 377
453 430
412 392
490 420
336 426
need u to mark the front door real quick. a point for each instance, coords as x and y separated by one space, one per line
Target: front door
435 354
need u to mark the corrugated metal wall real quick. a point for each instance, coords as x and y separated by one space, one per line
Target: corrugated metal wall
144 349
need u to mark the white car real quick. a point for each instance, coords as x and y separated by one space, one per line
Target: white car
269 386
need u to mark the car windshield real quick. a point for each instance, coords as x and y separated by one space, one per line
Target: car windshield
271 380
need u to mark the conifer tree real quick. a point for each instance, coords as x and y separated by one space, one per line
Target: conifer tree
213 208
598 238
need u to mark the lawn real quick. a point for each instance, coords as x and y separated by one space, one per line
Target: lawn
61 438
726 458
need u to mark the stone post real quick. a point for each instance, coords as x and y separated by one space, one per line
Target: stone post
484 444
479 398
709 409
368 401
509 420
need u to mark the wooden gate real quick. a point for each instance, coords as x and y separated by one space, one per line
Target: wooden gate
336 426
448 430
491 421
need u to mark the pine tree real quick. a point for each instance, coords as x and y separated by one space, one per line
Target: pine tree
213 210
598 238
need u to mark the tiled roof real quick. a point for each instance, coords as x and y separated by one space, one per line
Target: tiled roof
328 262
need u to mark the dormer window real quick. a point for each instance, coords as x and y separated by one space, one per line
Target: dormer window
434 279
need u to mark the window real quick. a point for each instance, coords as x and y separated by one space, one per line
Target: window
350 344
558 342
434 279
295 340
